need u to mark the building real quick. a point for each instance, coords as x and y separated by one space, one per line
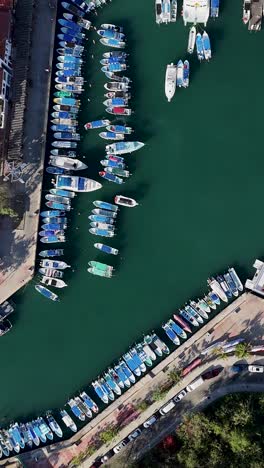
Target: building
6 21
257 283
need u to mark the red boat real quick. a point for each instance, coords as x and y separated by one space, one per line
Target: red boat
182 323
118 111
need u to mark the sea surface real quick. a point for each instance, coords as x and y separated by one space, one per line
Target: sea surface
199 184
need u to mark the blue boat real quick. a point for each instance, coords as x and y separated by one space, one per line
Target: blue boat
38 432
72 34
122 376
171 334
52 213
111 177
105 205
75 51
63 193
107 389
108 213
113 60
111 136
101 219
120 129
70 58
12 441
127 372
69 66
51 233
32 433
51 253
114 67
73 9
112 43
17 435
89 402
69 24
69 38
179 79
214 8
76 410
186 73
100 391
46 292
54 226
133 366
63 115
213 296
114 54
83 5
112 384
115 158
58 206
119 102
101 232
178 330
56 219
193 313
44 428
63 128
199 47
96 124
106 249
109 34
55 170
52 239
67 136
110 163
138 360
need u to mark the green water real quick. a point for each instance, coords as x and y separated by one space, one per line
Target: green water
199 183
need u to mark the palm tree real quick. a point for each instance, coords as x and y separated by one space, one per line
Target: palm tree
242 350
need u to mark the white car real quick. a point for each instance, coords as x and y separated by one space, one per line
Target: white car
180 396
119 447
150 421
258 369
134 434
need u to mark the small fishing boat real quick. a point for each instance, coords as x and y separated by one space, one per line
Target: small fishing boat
206 46
137 360
115 43
65 122
106 249
44 428
111 34
83 407
120 79
190 310
132 364
115 158
108 227
105 205
127 372
71 110
62 115
107 389
64 144
118 94
58 198
106 213
17 435
188 317
52 213
115 102
73 9
231 284
191 40
124 147
214 11
54 425
58 206
69 38
80 21
184 325
51 232
114 67
67 101
112 27
55 170
235 278
115 54
179 80
209 300
111 177
101 219
178 330
117 171
158 11
67 136
113 60
174 8
68 163
52 239
148 351
102 232
63 193
51 273
77 184
46 292
32 433
115 86
123 380
89 402
111 136
15 445
170 81
214 298
76 410
54 282
199 311
171 334
70 24
186 73
51 253
125 201
118 110
64 153
199 46
224 286
58 265
25 435
112 384
202 304
71 34
68 421
246 11
96 124
58 220
98 272
63 93
215 286
119 129
100 391
142 355
62 127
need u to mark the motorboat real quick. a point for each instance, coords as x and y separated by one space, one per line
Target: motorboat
101 232
101 393
73 9
246 11
112 60
51 253
44 428
125 201
89 402
188 317
115 43
52 239
214 12
46 292
191 311
68 122
215 286
97 124
170 81
105 205
127 371
33 435
124 147
68 421
120 377
111 136
224 286
70 24
206 46
112 163
113 77
186 73
58 198
115 54
200 311
51 232
69 38
111 177
236 279
214 298
52 213
107 389
179 80
138 361
209 300
76 410
58 265
158 11
115 158
191 40
171 334
54 282
80 21
177 329
71 34
112 384
56 219
67 101
67 136
98 272
174 8
58 206
101 219
115 86
106 213
184 325
114 68
202 304
25 435
71 110
55 170
63 152
76 184
64 144
100 225
231 284
63 193
111 34
117 94
166 11
63 115
67 163
199 46
54 425
117 172
195 12
143 356
122 129
132 364
50 272
106 249
112 27
118 110
115 102
83 407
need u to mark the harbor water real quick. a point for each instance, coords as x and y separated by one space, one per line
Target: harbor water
199 185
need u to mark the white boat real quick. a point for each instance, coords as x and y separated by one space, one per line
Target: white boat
235 278
191 40
76 184
67 163
158 11
170 81
179 80
215 286
194 11
56 264
174 8
123 147
246 11
206 46
125 201
56 283
166 11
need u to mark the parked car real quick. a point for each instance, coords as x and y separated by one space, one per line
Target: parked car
194 384
149 422
167 408
120 446
258 369
180 396
134 434
238 367
212 373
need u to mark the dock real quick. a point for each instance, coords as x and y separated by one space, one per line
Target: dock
255 21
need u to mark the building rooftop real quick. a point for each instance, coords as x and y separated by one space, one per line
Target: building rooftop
5 29
6 4
257 282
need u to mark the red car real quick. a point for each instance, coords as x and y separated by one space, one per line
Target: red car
212 373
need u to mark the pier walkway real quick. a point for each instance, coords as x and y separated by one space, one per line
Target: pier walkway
244 317
18 244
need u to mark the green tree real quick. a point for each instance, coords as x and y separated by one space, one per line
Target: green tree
175 376
238 441
242 350
142 406
4 211
158 394
108 435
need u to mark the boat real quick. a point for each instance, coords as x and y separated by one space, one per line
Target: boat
115 86
38 432
53 226
67 136
174 8
67 101
97 124
107 389
113 60
120 79
83 407
132 364
112 27
54 425
224 286
202 304
119 377
206 46
115 102
69 24
68 421
178 330
71 110
77 184
214 298
73 9
69 38
63 193
158 343
98 272
111 136
100 391
51 232
199 46
105 205
111 34
107 213
65 121
158 11
55 170
55 220
64 144
184 325
52 213
209 300
199 311
57 265
166 11
111 177
63 152
188 317
101 266
215 286
25 435
127 372
186 73
115 43
191 40
62 127
115 158
54 282
190 310
58 198
148 351
76 410
111 163
15 445
125 201
62 115
118 94
44 428
106 249
80 21
46 292
118 110
17 435
115 54
71 34
117 171
114 67
52 239
58 206
124 147
246 11
231 284
214 12
67 163
102 232
89 402
145 359
101 219
179 80
137 359
112 384
119 129
235 278
50 272
171 334
85 5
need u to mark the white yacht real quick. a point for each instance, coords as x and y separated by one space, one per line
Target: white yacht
215 286
191 40
170 81
76 184
196 11
166 11
246 11
70 164
158 11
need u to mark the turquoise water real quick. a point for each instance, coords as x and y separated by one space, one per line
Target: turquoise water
199 184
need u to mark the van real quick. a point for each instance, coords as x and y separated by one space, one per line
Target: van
194 384
167 408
